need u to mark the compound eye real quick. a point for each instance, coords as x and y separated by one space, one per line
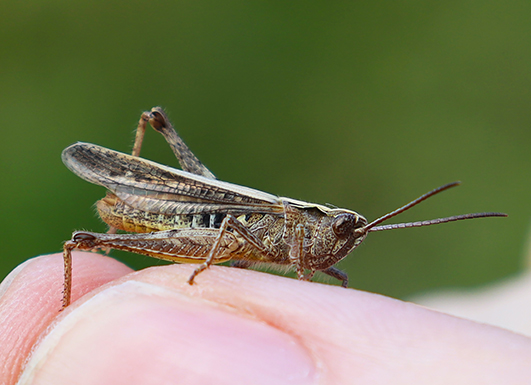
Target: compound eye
344 224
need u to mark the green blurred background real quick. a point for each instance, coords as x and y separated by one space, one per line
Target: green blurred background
361 105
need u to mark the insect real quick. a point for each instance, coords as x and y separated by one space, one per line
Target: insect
189 216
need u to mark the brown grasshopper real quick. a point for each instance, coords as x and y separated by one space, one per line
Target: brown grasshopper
189 216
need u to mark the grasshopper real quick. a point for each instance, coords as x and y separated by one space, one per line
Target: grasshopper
189 216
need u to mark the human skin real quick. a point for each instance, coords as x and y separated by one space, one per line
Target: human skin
233 326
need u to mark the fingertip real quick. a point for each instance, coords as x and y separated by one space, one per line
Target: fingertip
161 334
30 299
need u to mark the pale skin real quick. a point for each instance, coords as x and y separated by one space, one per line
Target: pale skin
234 326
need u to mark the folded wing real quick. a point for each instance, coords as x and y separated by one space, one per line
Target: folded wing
153 187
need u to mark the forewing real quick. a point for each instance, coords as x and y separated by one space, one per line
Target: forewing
154 187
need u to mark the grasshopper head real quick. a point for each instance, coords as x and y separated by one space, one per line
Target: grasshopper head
337 234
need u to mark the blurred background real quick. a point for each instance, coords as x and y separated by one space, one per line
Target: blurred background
364 106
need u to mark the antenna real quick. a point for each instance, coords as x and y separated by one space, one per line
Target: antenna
372 226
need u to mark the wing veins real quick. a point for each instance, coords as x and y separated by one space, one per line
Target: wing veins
134 179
